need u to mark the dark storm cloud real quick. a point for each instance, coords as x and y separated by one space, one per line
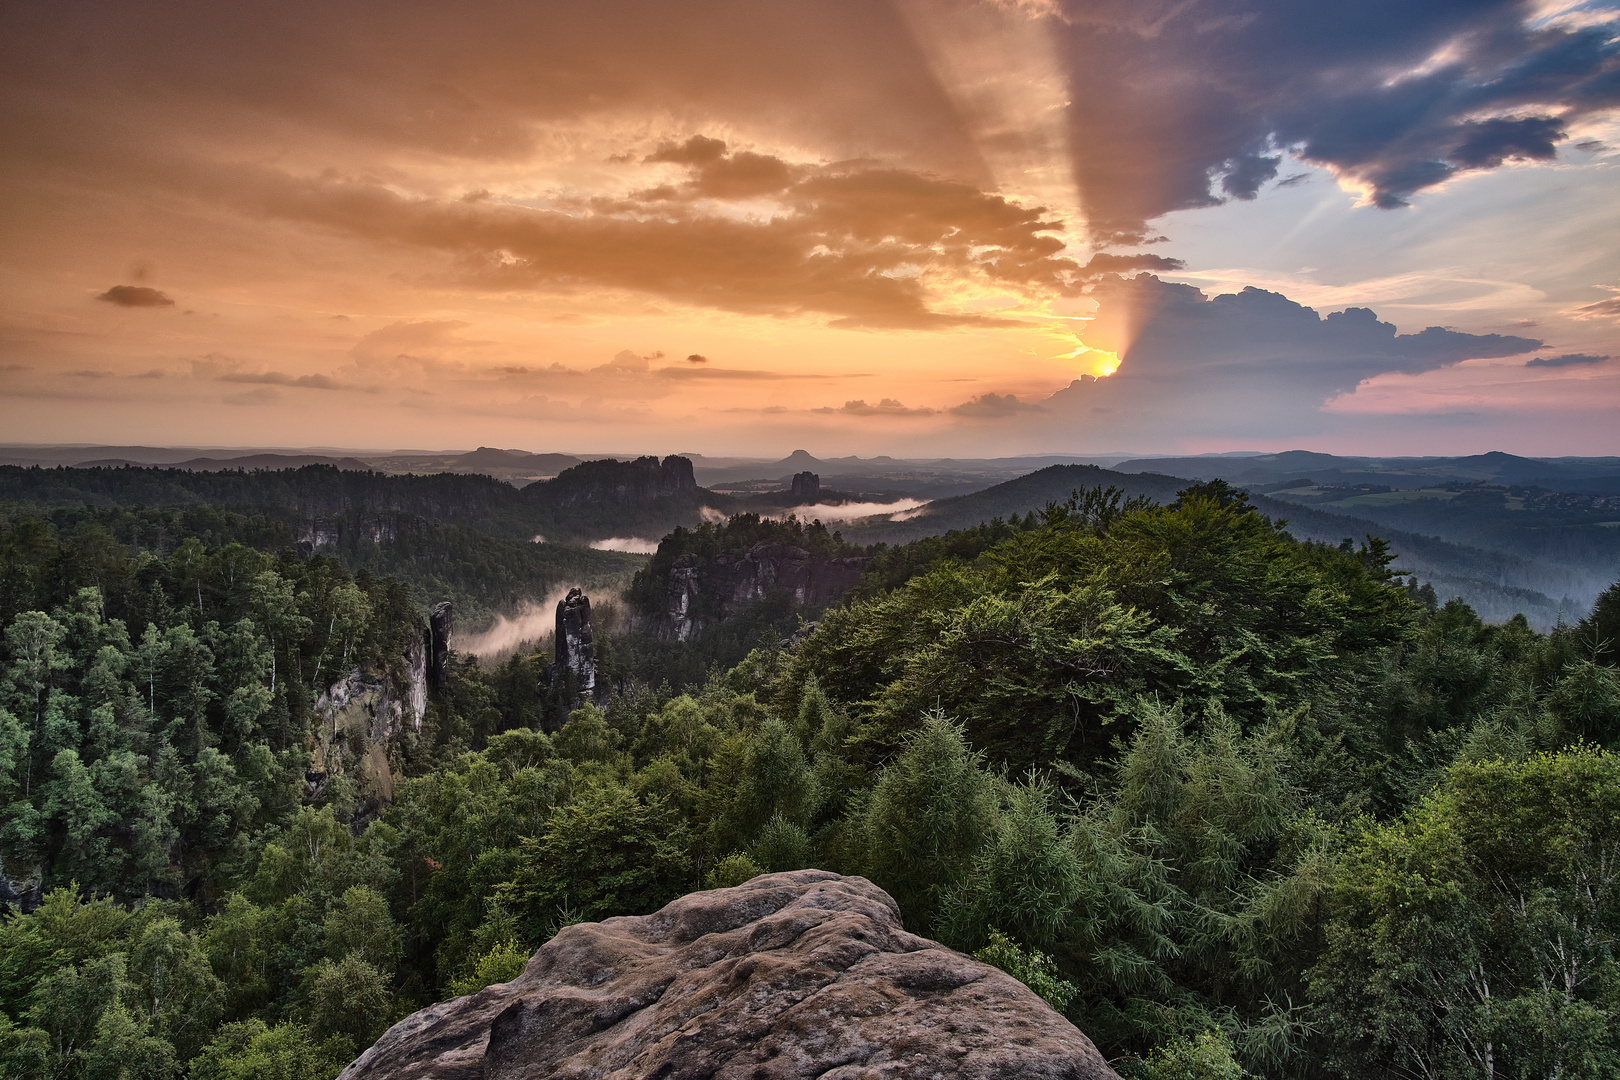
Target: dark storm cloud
1250 363
1181 105
135 296
1173 103
1566 360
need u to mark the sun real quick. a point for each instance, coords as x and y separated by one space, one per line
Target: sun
1096 362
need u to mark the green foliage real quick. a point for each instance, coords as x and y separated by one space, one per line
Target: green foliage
1031 967
348 998
503 962
1232 801
928 816
731 871
1042 645
1476 932
1601 628
1206 1056
605 853
251 1050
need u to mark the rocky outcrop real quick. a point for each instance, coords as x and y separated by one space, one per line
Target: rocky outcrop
727 582
416 675
25 901
639 482
576 649
441 631
314 533
798 975
361 711
806 488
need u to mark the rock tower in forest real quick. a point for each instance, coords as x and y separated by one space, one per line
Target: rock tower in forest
575 650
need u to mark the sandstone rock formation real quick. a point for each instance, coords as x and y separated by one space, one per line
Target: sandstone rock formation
641 481
314 533
416 675
806 488
361 710
441 631
25 901
727 582
798 975
363 715
575 645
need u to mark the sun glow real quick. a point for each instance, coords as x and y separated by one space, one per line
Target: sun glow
1098 362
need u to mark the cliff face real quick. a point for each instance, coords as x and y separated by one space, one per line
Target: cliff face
362 716
441 630
791 976
727 582
362 710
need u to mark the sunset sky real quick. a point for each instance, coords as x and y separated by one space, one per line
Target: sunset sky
915 228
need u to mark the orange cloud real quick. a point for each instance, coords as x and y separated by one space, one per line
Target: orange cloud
874 248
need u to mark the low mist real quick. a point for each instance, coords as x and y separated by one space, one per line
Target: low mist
633 545
830 513
535 620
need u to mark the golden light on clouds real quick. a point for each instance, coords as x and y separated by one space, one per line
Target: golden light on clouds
294 223
1094 362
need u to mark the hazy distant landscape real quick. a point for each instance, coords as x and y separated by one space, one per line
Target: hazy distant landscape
1508 534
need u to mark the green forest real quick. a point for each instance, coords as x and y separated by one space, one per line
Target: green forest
1236 804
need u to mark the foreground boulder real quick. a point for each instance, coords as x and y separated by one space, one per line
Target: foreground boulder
805 974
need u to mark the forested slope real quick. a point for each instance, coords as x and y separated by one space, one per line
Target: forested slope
435 558
1498 584
1229 799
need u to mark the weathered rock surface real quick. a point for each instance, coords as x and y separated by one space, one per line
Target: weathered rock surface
576 648
362 710
362 716
416 676
25 901
797 975
441 632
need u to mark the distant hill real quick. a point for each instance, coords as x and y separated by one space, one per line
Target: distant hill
460 538
1032 492
1498 585
920 477
1595 474
248 461
644 498
488 458
588 501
